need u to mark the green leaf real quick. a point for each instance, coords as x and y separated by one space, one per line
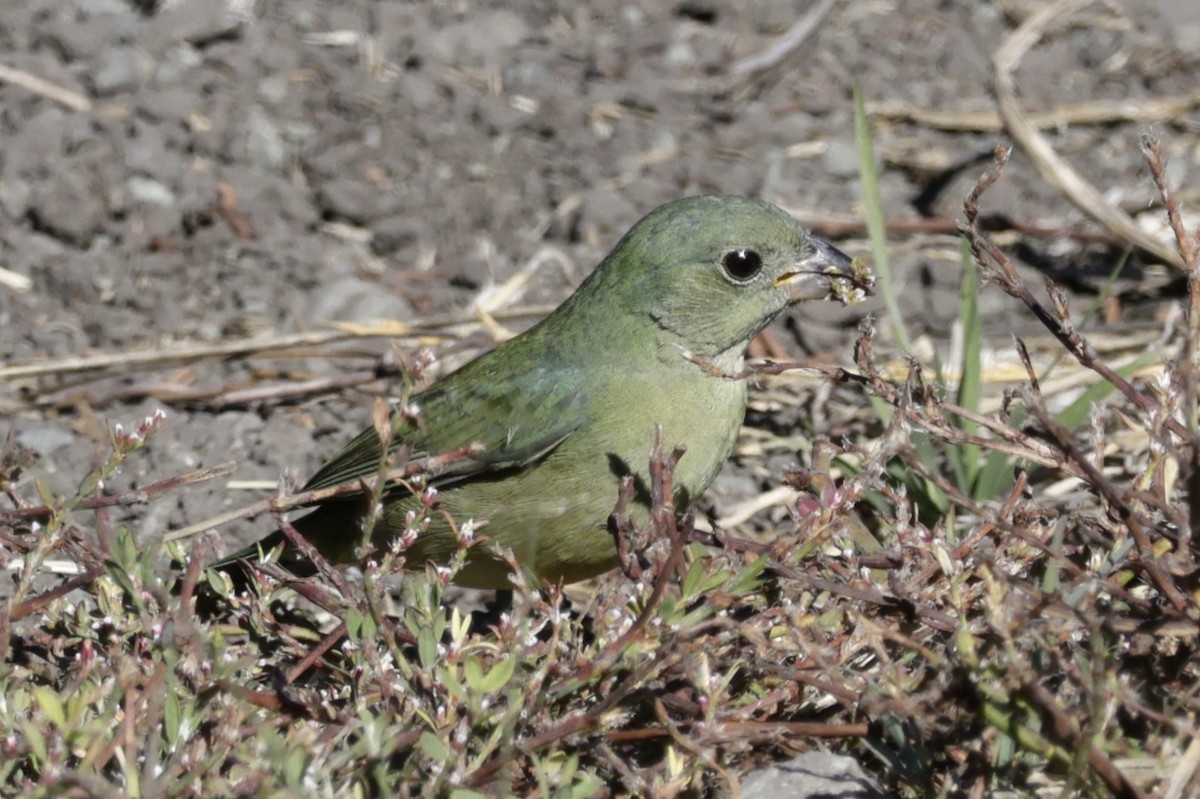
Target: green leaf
748 579
588 786
882 409
219 582
51 705
995 478
360 626
45 494
434 747
495 679
37 744
691 581
500 674
126 550
90 484
473 674
926 488
121 576
448 679
294 766
427 649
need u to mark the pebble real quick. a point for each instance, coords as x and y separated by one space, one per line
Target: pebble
119 70
150 191
812 775
353 299
45 439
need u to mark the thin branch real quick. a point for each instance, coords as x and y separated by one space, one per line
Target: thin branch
428 465
139 496
997 267
1048 163
40 86
787 44
1144 110
188 353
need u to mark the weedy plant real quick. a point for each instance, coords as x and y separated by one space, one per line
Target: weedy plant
967 601
1066 608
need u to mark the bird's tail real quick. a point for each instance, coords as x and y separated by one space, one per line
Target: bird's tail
254 551
239 568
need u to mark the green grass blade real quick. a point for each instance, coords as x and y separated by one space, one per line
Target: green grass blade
970 383
875 226
1077 412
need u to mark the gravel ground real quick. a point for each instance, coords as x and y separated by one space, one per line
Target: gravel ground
259 169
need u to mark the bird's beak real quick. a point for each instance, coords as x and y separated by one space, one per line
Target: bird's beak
827 272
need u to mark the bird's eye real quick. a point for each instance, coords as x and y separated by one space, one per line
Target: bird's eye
742 264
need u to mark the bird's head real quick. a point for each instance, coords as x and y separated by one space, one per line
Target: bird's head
712 272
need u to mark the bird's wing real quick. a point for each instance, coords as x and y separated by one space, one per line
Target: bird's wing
516 426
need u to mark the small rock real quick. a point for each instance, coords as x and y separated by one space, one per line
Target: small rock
393 233
264 144
45 439
176 62
95 8
273 89
167 104
69 210
680 55
155 518
812 775
14 197
120 69
197 22
1187 37
351 200
841 159
481 40
353 299
152 223
145 190
82 39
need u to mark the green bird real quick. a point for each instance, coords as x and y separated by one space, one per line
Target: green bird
568 408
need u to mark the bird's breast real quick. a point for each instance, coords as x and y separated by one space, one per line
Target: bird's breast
696 411
553 515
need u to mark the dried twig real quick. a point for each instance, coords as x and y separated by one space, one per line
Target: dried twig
1120 501
36 603
929 417
621 527
1188 245
188 353
138 496
1065 730
229 210
316 653
428 465
996 267
785 45
663 522
65 97
842 227
1100 112
1049 165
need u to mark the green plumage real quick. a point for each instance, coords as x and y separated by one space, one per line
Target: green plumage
566 409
